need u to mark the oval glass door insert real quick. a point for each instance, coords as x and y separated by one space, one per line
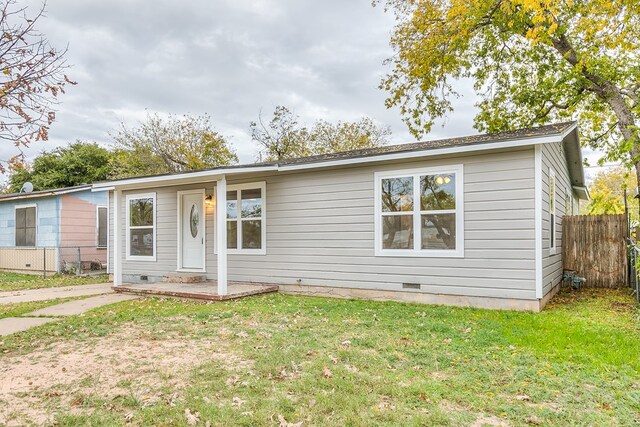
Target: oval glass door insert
194 220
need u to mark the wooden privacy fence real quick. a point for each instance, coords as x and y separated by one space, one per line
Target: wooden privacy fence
595 246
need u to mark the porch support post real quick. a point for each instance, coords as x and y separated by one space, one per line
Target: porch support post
117 238
221 233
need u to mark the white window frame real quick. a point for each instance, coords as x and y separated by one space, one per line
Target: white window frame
262 185
98 207
417 251
15 224
128 199
552 212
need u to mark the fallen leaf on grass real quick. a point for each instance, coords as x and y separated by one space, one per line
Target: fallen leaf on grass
447 340
285 423
237 402
523 398
128 417
192 419
242 334
326 372
346 343
532 419
333 359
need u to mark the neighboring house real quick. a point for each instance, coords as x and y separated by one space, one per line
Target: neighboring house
465 221
50 230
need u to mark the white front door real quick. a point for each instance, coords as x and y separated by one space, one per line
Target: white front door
192 230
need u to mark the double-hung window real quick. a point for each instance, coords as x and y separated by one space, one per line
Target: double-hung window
246 230
420 212
552 211
141 227
26 226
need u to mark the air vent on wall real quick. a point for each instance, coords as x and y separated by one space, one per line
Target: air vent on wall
411 286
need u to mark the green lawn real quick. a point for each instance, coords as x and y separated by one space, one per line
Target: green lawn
279 359
16 281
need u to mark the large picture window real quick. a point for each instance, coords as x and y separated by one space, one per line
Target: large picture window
141 226
26 226
420 212
246 230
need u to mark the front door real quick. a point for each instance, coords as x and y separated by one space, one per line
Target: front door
192 230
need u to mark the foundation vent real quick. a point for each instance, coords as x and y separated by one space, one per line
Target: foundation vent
411 286
145 278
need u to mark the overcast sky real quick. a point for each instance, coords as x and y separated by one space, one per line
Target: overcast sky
228 58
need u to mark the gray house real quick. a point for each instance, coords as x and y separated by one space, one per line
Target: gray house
465 221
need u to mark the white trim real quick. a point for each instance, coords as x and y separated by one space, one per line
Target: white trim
538 220
15 224
128 227
98 207
214 174
262 185
179 266
553 209
44 193
117 237
221 172
221 235
435 152
458 170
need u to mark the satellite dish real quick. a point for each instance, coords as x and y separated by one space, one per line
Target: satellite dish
27 187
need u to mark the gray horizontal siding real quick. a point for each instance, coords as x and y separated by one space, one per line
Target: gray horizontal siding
320 230
553 156
167 232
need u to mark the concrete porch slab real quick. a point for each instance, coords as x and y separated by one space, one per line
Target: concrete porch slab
205 291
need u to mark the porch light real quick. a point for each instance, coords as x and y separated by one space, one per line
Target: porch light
208 199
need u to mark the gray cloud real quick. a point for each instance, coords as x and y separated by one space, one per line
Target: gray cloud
230 59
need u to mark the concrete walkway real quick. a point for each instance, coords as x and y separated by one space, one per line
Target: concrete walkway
44 294
11 325
72 308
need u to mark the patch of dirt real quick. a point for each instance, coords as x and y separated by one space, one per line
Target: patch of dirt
623 306
489 420
126 363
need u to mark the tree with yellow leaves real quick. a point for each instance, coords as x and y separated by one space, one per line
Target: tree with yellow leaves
531 61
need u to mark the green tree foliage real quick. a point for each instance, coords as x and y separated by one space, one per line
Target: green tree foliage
608 191
78 163
532 61
283 137
168 145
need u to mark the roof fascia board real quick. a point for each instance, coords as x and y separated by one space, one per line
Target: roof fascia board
168 180
432 152
21 196
212 174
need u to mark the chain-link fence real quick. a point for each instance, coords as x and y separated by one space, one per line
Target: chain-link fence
48 260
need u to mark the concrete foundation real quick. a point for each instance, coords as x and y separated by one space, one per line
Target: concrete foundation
420 298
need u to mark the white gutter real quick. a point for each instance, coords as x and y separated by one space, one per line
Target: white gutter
216 173
433 152
213 173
